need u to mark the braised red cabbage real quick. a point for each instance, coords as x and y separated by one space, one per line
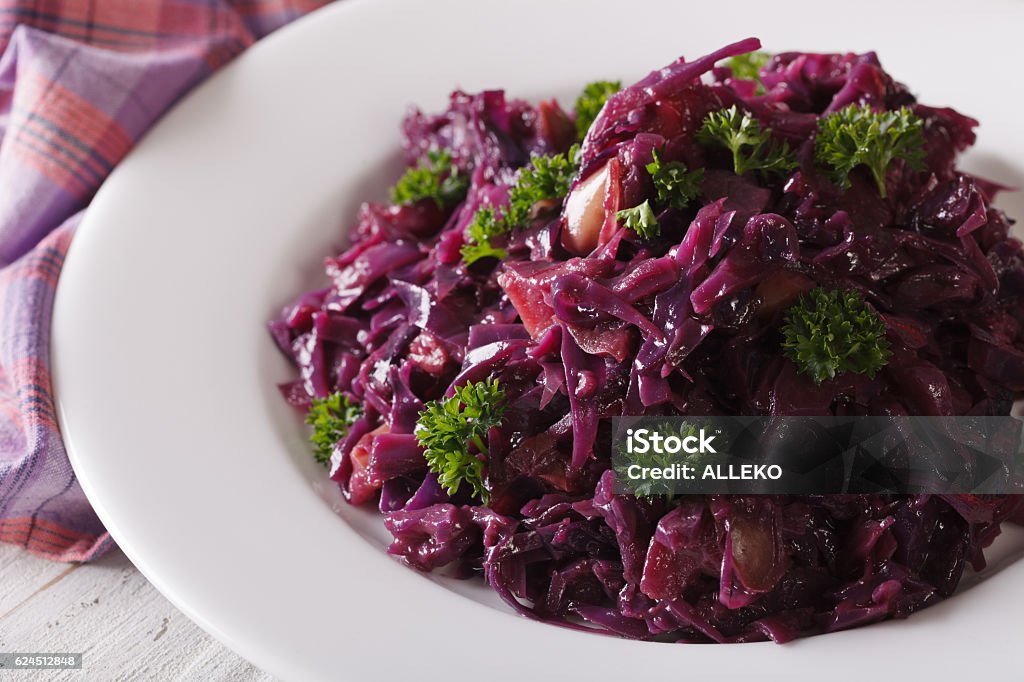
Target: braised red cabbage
683 323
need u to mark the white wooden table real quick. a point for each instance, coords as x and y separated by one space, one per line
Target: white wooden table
108 611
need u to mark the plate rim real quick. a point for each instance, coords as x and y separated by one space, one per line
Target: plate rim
234 640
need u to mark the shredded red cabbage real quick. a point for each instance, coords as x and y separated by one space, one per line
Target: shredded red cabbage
684 323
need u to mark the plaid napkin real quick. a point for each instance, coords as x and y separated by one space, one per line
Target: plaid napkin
80 82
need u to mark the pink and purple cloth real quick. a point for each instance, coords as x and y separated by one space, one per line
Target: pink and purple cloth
80 82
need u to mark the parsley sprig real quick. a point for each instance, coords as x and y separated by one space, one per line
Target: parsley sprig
829 332
331 418
641 219
753 148
676 186
590 101
450 429
857 136
748 67
487 223
436 178
545 179
662 458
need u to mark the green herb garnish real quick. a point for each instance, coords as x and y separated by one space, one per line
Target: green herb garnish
590 101
748 67
662 458
829 332
331 418
486 224
640 219
449 429
546 179
753 149
676 186
436 178
857 135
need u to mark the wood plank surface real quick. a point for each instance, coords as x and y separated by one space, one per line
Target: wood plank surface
107 610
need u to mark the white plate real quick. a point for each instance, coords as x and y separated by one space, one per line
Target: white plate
165 372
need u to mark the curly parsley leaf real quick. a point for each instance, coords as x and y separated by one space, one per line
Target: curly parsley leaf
753 148
661 458
748 67
829 332
331 418
545 179
450 429
857 136
676 186
544 182
487 223
436 178
590 101
641 219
